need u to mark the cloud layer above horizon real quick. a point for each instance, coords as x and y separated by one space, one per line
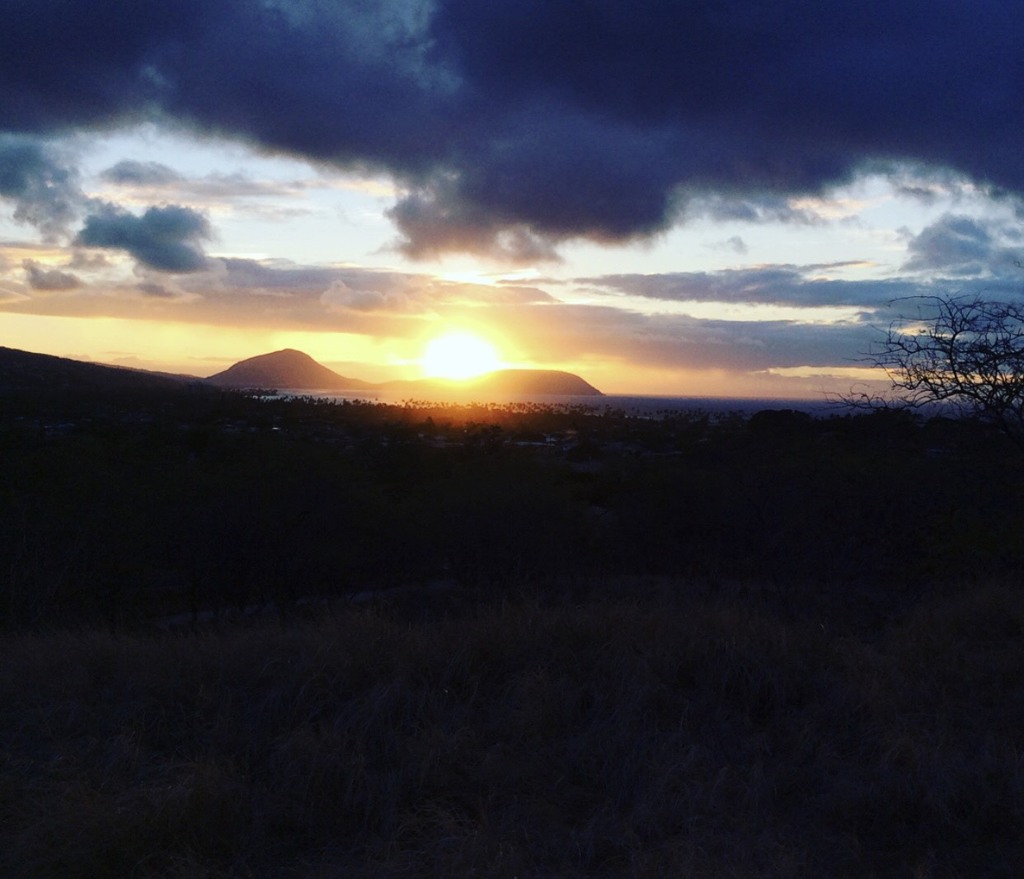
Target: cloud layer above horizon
511 127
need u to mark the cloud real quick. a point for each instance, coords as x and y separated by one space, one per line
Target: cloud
156 177
273 276
88 261
134 173
40 278
437 221
352 289
42 186
274 294
756 209
963 246
735 244
45 190
590 333
768 285
158 291
512 127
163 238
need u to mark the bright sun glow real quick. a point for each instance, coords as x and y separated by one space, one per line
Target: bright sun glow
458 356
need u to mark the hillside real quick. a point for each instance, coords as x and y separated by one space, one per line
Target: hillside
284 369
25 371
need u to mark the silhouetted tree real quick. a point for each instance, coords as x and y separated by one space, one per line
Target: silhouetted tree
967 352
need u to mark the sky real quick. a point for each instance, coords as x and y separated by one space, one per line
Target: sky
730 198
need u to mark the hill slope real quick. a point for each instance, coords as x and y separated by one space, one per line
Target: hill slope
26 371
284 369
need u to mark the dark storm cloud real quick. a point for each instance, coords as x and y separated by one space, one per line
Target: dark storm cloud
40 278
513 126
440 221
42 186
964 246
163 238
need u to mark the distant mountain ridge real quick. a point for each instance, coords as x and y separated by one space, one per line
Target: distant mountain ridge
291 369
27 371
281 370
547 382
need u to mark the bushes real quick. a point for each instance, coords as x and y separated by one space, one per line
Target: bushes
127 519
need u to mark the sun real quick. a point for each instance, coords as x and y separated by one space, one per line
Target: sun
458 355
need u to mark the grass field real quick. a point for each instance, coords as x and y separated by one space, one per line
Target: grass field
664 734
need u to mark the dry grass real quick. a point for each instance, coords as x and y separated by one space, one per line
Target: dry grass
618 738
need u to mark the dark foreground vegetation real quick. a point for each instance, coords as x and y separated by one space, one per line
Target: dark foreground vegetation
648 738
246 637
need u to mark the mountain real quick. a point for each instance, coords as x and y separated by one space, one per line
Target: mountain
505 382
288 369
25 371
284 369
535 381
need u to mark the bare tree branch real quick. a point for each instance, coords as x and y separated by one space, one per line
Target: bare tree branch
965 352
